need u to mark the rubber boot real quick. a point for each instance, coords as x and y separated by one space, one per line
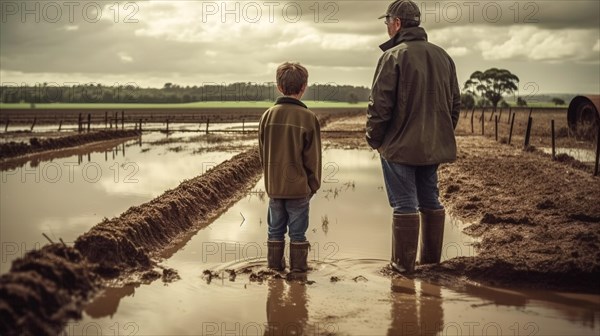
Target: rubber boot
275 257
299 256
405 238
432 235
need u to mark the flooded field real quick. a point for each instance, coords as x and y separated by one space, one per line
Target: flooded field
346 292
64 194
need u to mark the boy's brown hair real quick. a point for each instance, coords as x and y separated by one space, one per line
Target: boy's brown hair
291 77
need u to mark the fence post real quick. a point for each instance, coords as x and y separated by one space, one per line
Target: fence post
472 117
140 125
553 140
105 119
597 152
79 123
60 125
512 124
167 126
530 112
89 122
6 126
33 124
528 133
122 119
482 124
207 123
496 126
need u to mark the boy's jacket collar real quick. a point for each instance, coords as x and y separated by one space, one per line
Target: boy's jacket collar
289 100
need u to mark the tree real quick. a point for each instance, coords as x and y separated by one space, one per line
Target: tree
467 101
521 102
492 84
352 98
558 101
504 104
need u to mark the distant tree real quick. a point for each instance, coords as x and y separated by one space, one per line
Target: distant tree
492 84
467 101
558 101
504 104
167 86
521 102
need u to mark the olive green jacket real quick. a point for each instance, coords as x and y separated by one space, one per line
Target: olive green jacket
415 101
289 138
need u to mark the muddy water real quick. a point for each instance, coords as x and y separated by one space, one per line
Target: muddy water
345 292
579 154
64 194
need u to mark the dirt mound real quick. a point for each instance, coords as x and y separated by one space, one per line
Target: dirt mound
537 218
44 288
12 149
128 242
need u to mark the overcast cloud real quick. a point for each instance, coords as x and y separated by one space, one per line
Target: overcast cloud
553 44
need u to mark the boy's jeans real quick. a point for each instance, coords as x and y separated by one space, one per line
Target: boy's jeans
288 213
410 188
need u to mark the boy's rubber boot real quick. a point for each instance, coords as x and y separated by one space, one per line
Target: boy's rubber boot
432 235
405 239
299 256
275 258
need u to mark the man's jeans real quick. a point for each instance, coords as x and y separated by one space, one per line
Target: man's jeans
288 213
410 188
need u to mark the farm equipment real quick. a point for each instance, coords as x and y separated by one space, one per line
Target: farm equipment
584 116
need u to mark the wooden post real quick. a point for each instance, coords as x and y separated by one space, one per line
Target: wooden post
79 123
207 123
553 140
482 113
33 124
472 117
530 112
597 152
140 125
60 125
500 114
482 124
89 122
493 113
6 126
116 120
167 125
512 124
243 124
122 119
496 126
528 133
105 119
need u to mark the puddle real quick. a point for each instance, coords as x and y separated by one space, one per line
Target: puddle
579 154
350 227
64 195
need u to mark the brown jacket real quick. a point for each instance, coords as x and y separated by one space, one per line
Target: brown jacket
289 138
415 101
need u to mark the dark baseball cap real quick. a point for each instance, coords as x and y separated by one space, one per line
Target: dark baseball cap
404 9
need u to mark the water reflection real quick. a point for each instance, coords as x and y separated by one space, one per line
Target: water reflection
287 311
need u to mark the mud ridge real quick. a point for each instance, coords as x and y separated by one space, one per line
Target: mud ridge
47 287
129 242
13 149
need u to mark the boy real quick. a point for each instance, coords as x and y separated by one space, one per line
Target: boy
290 154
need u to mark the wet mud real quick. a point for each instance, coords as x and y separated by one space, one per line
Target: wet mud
35 145
47 287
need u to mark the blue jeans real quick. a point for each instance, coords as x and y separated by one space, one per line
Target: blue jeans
288 213
410 188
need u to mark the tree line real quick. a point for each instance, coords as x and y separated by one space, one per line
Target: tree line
172 93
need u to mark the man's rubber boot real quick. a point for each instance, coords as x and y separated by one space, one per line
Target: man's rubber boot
299 256
432 235
405 239
275 257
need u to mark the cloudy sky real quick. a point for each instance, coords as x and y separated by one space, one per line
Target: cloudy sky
553 46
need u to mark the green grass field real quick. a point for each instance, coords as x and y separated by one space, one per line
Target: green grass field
210 104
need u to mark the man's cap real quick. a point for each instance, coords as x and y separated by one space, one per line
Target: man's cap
404 9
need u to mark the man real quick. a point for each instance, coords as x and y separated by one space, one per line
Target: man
413 111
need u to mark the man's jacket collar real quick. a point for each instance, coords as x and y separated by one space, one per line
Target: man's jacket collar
289 100
404 35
